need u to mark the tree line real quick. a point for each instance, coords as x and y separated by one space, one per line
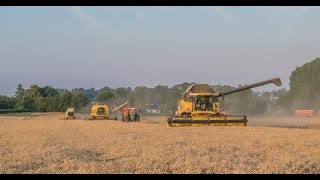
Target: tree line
49 99
303 94
42 99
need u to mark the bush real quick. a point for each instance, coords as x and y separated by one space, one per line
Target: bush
5 111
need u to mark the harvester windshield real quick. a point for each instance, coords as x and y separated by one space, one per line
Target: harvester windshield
203 103
101 111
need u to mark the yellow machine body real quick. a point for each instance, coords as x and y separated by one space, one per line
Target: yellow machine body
203 112
102 112
199 105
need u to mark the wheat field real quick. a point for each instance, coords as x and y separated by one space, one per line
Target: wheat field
43 143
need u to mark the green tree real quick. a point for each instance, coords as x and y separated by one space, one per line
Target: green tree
304 88
28 102
6 102
65 101
19 94
40 104
34 91
79 100
53 104
91 93
20 91
48 91
105 96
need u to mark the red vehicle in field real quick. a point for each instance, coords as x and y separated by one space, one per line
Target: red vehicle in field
304 113
130 115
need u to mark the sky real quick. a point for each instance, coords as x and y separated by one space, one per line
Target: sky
71 47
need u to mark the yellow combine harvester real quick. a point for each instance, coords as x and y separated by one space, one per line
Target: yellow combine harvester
103 112
70 114
199 105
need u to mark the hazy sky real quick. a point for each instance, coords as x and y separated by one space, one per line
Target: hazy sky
69 47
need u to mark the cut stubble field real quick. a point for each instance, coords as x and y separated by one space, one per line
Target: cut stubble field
43 143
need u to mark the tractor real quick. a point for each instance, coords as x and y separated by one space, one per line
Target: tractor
130 115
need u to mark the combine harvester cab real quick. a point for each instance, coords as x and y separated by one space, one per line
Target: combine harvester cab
199 105
103 112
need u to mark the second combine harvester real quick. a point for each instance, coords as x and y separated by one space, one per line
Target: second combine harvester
200 105
102 112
